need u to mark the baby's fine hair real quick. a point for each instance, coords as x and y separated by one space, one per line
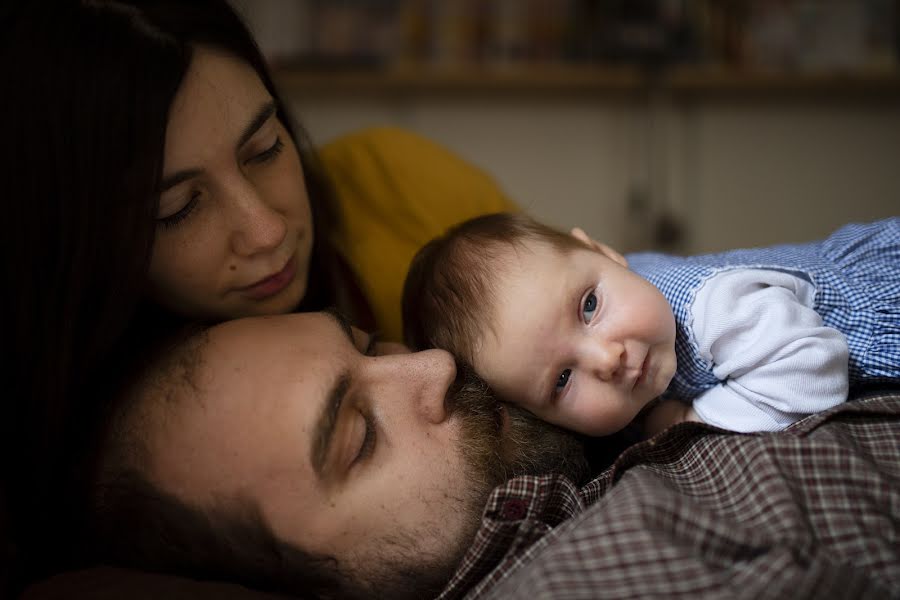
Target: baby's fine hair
450 287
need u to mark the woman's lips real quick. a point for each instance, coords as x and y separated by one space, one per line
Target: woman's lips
273 284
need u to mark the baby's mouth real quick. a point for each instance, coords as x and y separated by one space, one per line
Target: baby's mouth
642 374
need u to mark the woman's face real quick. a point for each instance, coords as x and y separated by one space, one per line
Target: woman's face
234 231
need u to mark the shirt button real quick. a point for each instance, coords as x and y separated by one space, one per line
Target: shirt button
513 510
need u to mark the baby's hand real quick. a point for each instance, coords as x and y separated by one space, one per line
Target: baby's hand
668 413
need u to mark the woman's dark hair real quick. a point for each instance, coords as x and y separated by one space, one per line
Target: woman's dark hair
88 86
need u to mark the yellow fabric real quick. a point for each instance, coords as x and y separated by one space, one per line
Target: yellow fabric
396 190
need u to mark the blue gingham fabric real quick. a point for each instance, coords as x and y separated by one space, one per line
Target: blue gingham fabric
856 273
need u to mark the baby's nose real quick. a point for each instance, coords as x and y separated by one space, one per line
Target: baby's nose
605 359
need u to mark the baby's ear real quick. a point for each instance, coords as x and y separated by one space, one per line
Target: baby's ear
579 234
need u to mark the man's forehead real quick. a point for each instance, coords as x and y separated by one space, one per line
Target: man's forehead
249 404
240 336
175 363
321 331
264 355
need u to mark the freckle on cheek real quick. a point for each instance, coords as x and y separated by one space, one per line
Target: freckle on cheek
232 267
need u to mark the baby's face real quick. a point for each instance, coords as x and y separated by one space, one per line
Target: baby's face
577 338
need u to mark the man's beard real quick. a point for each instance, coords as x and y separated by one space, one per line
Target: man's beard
492 455
527 446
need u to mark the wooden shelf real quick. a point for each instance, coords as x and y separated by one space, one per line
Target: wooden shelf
418 79
576 79
713 80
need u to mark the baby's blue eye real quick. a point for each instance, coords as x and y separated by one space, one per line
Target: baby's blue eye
589 308
563 379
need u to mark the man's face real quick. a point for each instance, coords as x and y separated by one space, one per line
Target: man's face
346 453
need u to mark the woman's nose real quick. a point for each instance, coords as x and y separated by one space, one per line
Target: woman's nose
256 226
419 382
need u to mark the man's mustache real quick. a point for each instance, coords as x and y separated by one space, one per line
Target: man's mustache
529 445
471 393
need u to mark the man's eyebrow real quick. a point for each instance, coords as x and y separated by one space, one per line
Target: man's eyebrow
341 321
264 113
323 433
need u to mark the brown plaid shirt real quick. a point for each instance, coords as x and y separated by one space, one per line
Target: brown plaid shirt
809 512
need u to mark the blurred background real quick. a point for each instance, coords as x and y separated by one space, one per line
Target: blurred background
687 126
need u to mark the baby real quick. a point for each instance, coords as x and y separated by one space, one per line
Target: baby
747 340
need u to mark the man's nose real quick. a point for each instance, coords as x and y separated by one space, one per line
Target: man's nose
420 381
604 358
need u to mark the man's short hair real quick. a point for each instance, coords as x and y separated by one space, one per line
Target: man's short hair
133 523
451 284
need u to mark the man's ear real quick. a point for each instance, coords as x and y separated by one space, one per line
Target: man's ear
579 234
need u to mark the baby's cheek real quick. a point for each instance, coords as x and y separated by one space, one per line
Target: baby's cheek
542 410
501 380
558 414
581 421
589 415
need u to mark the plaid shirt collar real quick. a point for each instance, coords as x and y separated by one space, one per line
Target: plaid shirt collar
520 513
514 525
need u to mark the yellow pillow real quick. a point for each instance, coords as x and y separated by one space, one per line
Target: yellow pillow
395 191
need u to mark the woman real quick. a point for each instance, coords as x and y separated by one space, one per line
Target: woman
155 176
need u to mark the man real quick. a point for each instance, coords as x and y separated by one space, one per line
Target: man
373 461
294 453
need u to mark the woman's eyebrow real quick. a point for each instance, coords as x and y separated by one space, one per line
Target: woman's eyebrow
176 178
264 113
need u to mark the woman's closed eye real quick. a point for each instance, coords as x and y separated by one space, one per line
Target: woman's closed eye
268 154
182 213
